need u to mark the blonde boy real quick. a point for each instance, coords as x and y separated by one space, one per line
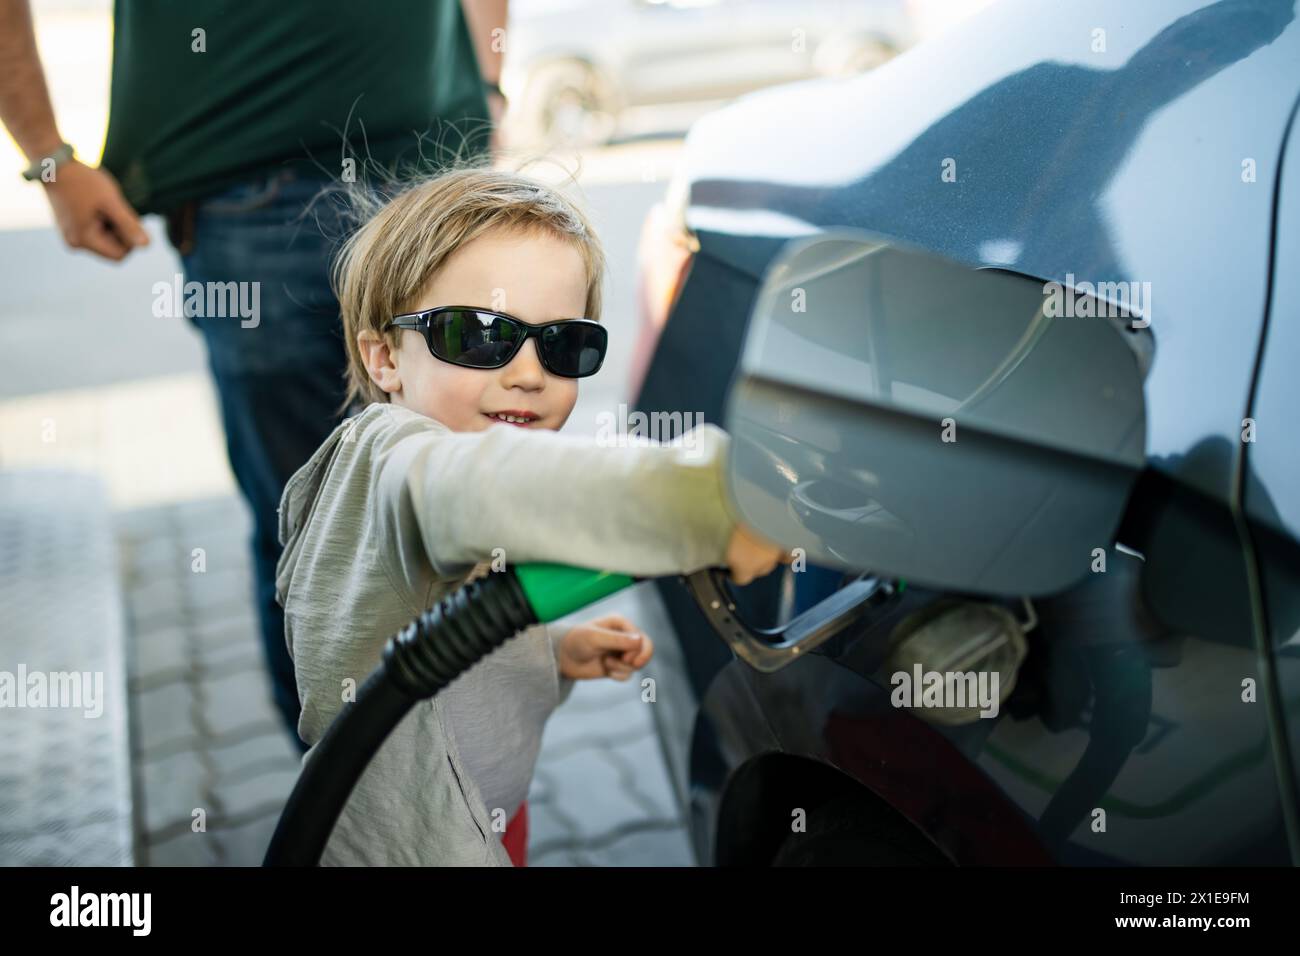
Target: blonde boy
421 489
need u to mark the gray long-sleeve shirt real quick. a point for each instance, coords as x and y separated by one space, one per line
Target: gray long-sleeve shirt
394 511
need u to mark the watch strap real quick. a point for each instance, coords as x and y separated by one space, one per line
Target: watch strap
63 154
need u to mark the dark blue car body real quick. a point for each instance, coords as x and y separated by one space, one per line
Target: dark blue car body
1074 142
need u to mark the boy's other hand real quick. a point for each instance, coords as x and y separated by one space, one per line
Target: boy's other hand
92 213
609 646
750 556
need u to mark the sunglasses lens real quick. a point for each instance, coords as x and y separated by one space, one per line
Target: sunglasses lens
482 340
473 339
574 349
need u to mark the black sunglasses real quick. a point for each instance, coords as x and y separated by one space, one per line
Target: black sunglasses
482 338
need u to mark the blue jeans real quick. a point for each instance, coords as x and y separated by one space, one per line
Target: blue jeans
279 368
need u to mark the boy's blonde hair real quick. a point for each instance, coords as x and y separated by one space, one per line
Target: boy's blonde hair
384 266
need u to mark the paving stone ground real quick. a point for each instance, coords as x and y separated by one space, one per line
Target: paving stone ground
213 764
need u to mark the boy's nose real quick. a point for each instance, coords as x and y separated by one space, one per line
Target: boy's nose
525 369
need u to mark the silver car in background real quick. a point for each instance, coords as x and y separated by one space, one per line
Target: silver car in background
576 71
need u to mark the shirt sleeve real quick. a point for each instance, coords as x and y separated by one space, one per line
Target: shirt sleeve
645 509
566 683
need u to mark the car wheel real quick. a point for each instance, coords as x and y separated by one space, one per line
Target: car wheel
851 56
569 105
868 56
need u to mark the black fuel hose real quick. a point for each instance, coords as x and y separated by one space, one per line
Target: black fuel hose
418 662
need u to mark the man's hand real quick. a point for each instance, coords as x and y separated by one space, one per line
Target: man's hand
88 206
609 646
92 213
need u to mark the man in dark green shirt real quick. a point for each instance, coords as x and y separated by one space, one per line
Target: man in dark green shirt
229 118
206 94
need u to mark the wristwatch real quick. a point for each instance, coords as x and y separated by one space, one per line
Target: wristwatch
60 156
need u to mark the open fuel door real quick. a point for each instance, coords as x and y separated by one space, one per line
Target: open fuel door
966 429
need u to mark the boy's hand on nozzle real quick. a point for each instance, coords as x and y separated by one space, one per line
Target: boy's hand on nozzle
751 556
610 646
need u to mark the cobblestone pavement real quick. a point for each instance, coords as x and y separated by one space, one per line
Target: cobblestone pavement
65 791
208 746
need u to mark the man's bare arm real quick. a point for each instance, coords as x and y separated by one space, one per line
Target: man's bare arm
484 17
24 98
88 204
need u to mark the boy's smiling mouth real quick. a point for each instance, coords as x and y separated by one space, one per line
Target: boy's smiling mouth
514 416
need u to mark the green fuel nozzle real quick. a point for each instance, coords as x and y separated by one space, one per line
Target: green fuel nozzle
554 590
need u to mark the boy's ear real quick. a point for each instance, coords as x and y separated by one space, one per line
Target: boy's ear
379 361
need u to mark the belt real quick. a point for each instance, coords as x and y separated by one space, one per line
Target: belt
180 226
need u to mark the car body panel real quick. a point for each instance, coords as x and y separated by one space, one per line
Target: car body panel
1152 160
1109 163
1272 482
872 373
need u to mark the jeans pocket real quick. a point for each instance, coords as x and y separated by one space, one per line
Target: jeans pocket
248 196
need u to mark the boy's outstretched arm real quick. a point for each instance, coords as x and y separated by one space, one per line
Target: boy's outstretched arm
541 496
